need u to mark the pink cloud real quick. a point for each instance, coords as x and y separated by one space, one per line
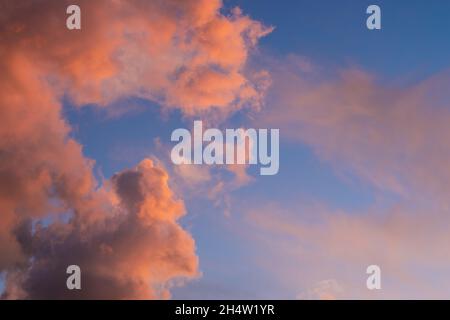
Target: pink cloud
390 136
181 54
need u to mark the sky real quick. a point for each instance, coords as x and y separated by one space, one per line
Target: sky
85 141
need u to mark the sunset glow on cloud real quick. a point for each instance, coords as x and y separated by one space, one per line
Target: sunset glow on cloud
44 171
87 179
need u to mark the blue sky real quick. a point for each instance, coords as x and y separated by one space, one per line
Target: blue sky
334 33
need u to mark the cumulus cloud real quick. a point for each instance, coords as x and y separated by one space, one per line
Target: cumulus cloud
43 171
181 54
134 251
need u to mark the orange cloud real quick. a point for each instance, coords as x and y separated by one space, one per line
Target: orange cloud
178 53
127 241
134 251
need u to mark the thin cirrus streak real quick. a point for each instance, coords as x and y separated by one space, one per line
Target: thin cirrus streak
124 233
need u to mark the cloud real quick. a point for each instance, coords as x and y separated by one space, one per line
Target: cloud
214 182
391 136
322 290
127 241
180 54
137 250
42 170
313 242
